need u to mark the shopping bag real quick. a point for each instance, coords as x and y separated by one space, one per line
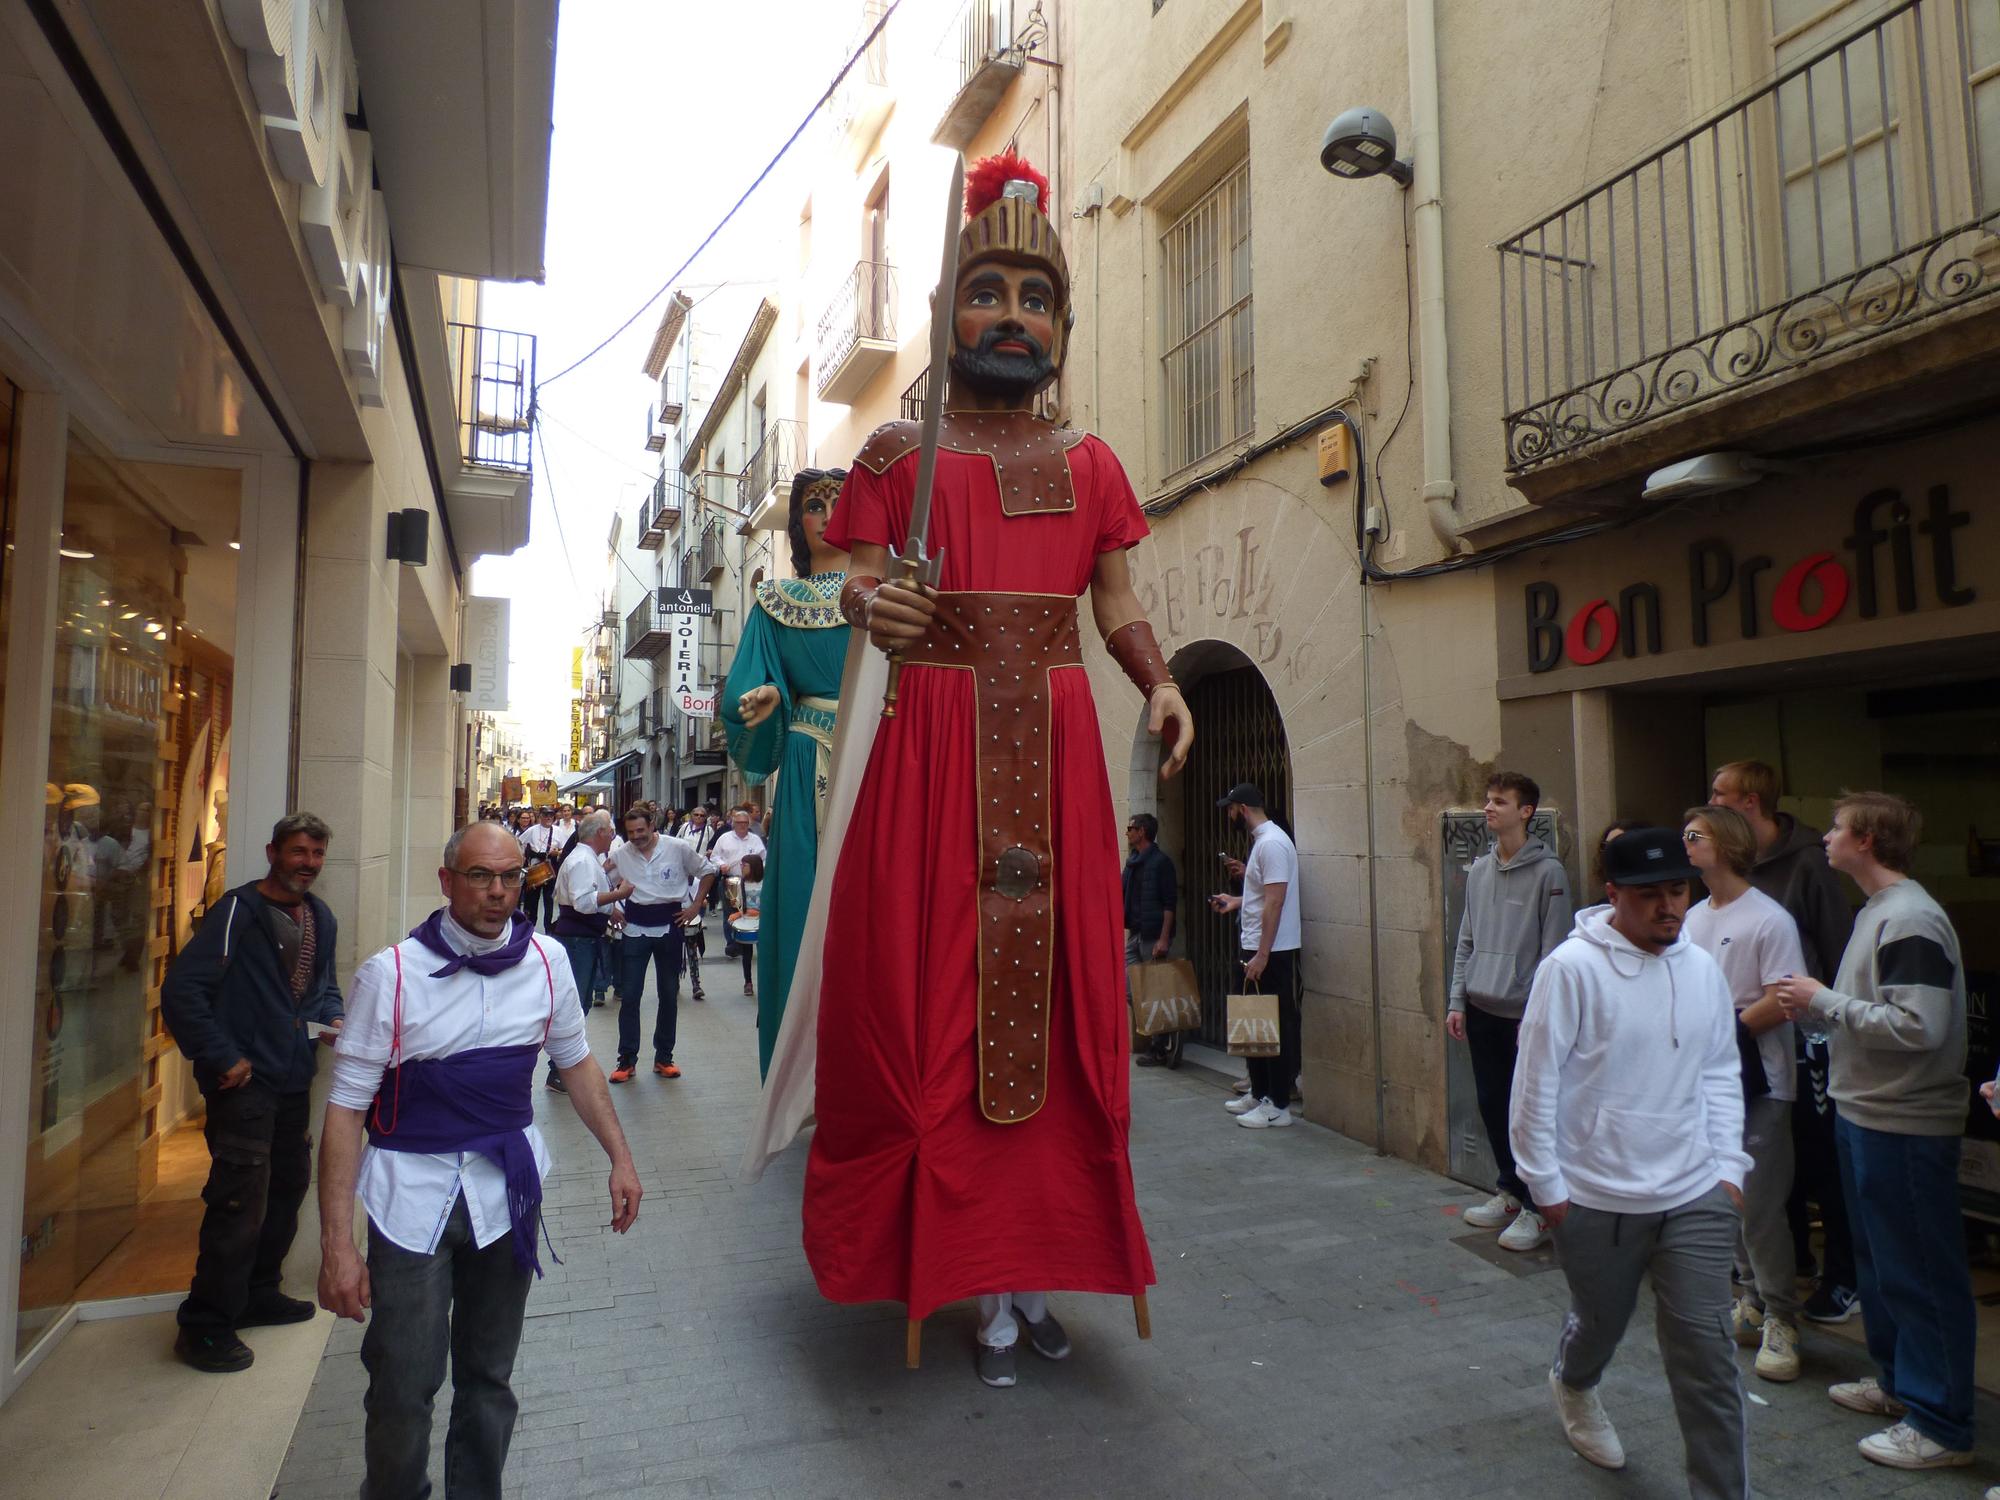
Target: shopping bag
1165 997
1253 1025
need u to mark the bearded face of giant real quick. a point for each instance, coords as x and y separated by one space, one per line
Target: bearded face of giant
1004 331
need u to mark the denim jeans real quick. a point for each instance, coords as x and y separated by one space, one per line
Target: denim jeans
602 977
664 953
1910 1271
1493 1044
462 1300
260 1165
582 953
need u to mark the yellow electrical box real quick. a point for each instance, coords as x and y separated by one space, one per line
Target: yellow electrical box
1336 453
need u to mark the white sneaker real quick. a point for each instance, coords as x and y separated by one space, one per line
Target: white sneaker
1747 1323
1242 1104
1589 1431
1778 1354
1266 1116
1903 1447
1866 1395
1529 1231
1494 1212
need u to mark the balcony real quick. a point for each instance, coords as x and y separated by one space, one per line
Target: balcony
673 395
689 574
861 104
915 395
771 467
647 636
857 333
493 375
713 561
1820 255
990 56
656 430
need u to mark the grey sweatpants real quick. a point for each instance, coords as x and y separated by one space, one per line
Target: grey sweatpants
1767 1233
1687 1253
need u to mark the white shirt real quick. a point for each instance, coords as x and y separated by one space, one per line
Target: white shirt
582 884
536 839
409 1195
1755 942
1273 861
670 875
560 834
729 850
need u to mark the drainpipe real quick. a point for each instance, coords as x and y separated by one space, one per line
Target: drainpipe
1427 225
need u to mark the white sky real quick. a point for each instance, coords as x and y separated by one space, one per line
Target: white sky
665 110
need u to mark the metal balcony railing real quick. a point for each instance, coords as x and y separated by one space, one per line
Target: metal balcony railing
689 577
493 377
992 40
777 458
713 560
646 635
673 394
1848 198
862 311
914 396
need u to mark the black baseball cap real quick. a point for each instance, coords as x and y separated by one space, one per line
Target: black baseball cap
1646 856
1244 793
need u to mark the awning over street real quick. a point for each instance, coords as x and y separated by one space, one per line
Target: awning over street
604 776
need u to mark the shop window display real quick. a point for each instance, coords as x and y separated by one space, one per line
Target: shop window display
134 802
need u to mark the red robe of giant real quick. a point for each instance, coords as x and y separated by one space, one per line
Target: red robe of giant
911 1194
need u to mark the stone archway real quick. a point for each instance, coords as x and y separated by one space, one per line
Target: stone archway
1241 737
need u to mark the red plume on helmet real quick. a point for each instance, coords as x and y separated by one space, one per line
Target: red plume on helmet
988 177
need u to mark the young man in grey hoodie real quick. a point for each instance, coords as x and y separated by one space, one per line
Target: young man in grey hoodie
1896 1016
1517 910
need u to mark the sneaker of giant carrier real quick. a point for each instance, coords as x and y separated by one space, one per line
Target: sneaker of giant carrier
1494 1212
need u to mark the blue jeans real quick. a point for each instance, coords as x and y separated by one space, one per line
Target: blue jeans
464 1301
1910 1271
582 953
664 953
602 979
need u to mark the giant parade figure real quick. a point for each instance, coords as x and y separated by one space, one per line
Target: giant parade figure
972 1034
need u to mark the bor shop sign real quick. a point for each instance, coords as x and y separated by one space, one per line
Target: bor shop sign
684 610
1894 545
302 75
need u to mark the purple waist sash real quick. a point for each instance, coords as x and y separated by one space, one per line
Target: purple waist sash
479 1100
570 922
652 913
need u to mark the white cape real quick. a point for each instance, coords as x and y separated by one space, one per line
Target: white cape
785 1108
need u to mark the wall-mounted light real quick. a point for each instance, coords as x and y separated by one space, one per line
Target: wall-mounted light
461 677
410 537
1362 143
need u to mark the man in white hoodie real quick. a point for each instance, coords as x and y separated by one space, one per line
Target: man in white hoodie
1627 1126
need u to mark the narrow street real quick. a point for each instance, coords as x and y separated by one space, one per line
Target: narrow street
1323 1326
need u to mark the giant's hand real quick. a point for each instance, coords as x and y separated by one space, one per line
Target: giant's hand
900 615
757 705
1167 705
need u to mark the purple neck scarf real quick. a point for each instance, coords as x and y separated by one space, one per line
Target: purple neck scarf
430 932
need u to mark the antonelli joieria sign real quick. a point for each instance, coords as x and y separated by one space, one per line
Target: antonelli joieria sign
683 610
486 647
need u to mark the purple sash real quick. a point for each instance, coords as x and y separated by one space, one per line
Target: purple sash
570 922
479 1100
652 913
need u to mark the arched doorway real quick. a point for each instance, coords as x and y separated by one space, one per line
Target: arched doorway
1240 737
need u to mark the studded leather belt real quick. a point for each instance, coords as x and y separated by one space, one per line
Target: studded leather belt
1010 643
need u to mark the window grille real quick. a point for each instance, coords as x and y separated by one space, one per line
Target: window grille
1208 366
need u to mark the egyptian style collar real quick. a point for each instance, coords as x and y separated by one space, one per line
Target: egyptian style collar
810 603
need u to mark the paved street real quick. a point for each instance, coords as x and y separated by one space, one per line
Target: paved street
1322 1327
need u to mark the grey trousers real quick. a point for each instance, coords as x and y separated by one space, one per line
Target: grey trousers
1767 1232
1687 1253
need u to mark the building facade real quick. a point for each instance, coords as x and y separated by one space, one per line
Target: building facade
1479 434
248 454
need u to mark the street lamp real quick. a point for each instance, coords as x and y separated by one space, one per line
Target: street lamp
1362 143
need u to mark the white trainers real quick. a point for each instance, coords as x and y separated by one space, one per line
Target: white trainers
1586 1426
1266 1116
1242 1104
1903 1447
1747 1323
1866 1395
1778 1351
1529 1231
1494 1212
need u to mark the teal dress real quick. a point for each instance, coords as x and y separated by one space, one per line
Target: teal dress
796 641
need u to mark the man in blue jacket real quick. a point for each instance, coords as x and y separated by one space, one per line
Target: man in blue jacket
240 1000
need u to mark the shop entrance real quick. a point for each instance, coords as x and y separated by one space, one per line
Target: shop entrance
1240 736
1922 731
